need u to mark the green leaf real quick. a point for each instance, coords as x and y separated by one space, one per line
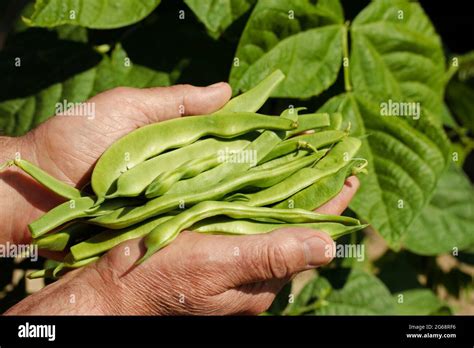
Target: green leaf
396 55
362 294
312 294
301 39
405 162
65 32
97 14
417 302
218 15
119 70
446 223
460 98
18 116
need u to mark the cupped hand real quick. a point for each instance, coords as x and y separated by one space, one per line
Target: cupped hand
68 146
196 274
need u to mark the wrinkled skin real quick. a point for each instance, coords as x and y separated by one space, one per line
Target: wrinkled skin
196 274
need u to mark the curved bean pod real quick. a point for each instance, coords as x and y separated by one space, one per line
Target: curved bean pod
134 181
166 232
67 236
337 158
254 98
106 240
309 122
260 147
125 217
57 186
66 266
53 272
74 209
165 180
321 191
153 139
246 227
306 141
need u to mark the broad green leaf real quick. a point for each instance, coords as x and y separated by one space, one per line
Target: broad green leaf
119 70
301 39
417 302
405 162
460 98
217 15
362 294
396 55
447 117
65 32
446 224
17 116
97 14
310 297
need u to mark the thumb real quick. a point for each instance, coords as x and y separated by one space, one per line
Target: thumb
161 103
281 254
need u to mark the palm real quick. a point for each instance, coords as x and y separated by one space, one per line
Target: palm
68 147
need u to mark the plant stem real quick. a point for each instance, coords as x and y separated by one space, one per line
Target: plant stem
345 59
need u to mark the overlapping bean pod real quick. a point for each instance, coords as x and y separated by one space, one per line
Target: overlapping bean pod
167 177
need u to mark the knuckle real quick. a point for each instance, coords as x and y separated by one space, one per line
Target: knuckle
277 261
270 259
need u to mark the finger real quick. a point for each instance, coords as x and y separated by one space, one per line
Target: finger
162 103
251 299
117 112
276 255
338 204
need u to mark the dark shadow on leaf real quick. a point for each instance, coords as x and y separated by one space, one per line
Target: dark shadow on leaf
398 272
164 40
337 276
43 61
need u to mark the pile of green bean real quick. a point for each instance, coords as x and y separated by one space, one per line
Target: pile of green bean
233 172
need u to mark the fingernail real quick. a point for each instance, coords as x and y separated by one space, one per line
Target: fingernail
214 85
317 251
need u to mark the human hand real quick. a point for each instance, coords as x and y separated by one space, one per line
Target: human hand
68 147
196 274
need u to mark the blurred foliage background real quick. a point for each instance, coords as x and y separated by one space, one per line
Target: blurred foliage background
165 50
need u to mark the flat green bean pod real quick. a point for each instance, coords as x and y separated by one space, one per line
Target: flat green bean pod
254 98
285 159
258 149
135 181
58 268
106 240
308 122
125 217
321 191
69 235
74 209
336 159
57 186
335 121
166 232
312 141
63 267
248 227
190 169
154 139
